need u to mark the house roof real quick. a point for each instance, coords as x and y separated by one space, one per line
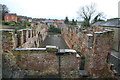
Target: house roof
29 17
112 23
22 16
115 22
36 21
98 23
49 21
11 14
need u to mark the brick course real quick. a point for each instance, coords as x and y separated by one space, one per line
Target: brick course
93 43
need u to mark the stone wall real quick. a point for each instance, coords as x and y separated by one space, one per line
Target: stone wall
116 38
24 38
8 39
43 63
10 69
30 38
101 48
94 44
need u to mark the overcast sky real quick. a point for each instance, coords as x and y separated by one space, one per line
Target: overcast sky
59 9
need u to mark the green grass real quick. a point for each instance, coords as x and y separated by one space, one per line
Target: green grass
11 27
4 26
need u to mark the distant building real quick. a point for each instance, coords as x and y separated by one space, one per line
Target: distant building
53 22
10 17
29 19
22 18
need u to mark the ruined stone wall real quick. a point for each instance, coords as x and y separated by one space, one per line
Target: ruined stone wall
32 38
66 35
94 44
24 38
8 43
102 47
10 69
71 38
75 39
42 63
116 38
8 40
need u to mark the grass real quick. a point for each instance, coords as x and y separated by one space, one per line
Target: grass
4 26
11 27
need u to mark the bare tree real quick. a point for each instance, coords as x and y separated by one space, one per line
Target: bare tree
87 13
98 17
4 11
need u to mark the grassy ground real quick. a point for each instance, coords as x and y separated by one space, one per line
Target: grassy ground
10 27
4 26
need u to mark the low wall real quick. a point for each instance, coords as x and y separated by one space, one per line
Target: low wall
42 63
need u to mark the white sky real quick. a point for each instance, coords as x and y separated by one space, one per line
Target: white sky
59 9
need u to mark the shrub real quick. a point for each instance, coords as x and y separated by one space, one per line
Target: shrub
12 23
18 24
6 23
28 24
54 30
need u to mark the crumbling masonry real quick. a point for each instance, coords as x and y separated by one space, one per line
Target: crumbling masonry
92 43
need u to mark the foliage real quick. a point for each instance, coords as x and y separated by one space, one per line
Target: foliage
18 24
54 30
73 22
66 20
12 23
28 23
25 23
6 23
4 11
97 18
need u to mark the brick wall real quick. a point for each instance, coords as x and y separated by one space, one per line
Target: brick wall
116 38
95 47
30 38
43 63
8 39
24 38
101 47
10 17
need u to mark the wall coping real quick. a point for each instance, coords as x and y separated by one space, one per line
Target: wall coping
6 29
44 49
